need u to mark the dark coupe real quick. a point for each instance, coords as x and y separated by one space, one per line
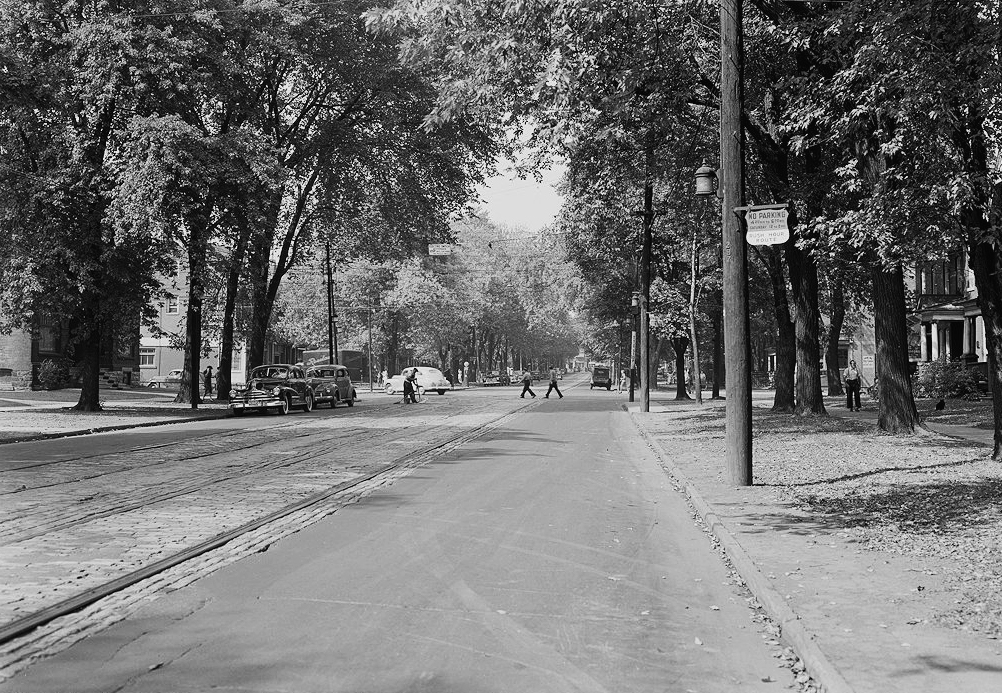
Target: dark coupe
278 387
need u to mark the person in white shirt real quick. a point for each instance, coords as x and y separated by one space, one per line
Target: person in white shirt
852 383
553 383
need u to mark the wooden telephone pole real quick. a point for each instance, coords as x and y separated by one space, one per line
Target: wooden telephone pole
737 345
645 275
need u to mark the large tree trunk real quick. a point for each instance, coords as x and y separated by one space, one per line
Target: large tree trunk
834 332
807 319
984 259
987 265
898 413
679 344
88 353
198 226
258 272
226 346
786 340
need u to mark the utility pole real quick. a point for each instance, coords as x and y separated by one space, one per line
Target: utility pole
645 275
737 348
633 345
330 309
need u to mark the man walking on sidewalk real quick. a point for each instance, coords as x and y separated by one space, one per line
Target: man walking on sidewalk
553 383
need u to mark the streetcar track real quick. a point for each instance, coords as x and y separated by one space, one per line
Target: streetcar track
72 517
410 459
276 436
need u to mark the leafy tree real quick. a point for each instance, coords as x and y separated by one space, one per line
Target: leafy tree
74 75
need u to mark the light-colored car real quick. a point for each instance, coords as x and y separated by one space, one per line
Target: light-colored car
172 378
331 384
427 379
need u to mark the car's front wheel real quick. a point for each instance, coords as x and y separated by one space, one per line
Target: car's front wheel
308 404
351 399
238 412
390 390
284 407
441 392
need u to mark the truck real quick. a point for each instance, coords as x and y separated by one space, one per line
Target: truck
354 360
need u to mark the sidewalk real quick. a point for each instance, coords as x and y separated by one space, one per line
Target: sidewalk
28 415
873 553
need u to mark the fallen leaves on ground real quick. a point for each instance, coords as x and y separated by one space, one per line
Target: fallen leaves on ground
922 496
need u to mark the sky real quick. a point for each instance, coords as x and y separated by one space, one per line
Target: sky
516 202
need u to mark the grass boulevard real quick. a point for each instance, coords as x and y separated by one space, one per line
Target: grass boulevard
929 501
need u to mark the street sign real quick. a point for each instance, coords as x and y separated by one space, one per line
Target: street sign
439 249
767 226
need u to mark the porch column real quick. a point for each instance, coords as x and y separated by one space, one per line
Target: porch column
935 341
923 345
968 342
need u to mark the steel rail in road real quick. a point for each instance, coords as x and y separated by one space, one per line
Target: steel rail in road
411 459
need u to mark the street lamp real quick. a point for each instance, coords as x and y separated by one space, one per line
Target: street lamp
706 182
634 312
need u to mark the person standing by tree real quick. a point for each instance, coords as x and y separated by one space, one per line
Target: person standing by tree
852 387
553 383
527 384
207 380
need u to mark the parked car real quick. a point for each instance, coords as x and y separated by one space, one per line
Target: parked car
601 377
497 378
427 379
173 377
278 387
331 385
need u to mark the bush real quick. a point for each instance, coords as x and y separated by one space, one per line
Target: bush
946 379
53 375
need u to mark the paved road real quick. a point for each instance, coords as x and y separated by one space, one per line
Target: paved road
549 554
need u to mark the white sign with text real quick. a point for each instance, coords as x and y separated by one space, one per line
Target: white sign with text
767 226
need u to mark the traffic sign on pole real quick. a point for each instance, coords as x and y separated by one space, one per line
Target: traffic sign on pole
439 249
767 226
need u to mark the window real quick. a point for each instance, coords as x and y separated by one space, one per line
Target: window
147 356
171 305
943 277
49 334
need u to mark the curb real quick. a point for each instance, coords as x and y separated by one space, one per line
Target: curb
792 628
119 427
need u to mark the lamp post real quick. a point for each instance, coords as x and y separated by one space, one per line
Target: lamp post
634 312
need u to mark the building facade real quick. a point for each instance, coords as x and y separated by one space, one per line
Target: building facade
22 353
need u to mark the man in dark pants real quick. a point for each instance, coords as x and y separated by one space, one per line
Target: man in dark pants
553 383
852 387
410 387
526 383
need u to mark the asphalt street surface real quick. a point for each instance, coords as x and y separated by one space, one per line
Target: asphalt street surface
524 545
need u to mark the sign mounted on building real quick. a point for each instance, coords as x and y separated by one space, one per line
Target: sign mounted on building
767 224
439 249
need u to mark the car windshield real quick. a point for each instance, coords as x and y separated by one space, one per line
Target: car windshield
269 372
323 372
601 372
